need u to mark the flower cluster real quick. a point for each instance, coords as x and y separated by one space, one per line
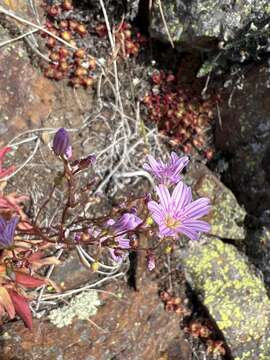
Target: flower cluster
102 243
174 303
176 213
203 330
180 113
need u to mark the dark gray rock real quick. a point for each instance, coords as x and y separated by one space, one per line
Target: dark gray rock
243 133
188 20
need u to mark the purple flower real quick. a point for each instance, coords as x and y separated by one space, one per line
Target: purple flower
127 222
61 142
177 213
119 228
167 173
7 230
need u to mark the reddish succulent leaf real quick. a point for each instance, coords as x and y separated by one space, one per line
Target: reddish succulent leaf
27 280
50 260
38 260
6 302
2 311
12 203
24 225
7 171
35 256
22 308
2 269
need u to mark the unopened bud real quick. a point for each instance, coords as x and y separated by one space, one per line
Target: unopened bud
85 237
95 266
86 162
133 243
61 142
58 180
168 249
149 221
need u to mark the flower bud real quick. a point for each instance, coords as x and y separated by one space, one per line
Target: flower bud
61 142
168 249
66 35
86 162
80 53
67 5
149 221
81 29
95 266
63 52
58 180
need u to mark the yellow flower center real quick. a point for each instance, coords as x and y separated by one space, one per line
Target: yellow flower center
172 223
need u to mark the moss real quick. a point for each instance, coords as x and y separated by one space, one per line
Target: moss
235 297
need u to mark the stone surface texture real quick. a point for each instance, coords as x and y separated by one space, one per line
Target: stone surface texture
244 135
227 216
190 20
135 327
234 296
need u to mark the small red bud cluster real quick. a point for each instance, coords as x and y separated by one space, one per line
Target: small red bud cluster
76 65
199 330
174 303
127 44
180 114
215 347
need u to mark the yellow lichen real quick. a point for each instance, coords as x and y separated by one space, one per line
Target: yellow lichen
234 296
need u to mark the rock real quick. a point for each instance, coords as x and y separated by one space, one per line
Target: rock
244 135
258 250
193 21
71 265
28 99
135 326
234 296
227 216
25 96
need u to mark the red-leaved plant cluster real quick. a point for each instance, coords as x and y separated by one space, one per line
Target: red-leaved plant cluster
78 66
126 42
180 113
75 65
200 329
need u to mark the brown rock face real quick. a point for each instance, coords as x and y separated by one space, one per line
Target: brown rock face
26 96
134 328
